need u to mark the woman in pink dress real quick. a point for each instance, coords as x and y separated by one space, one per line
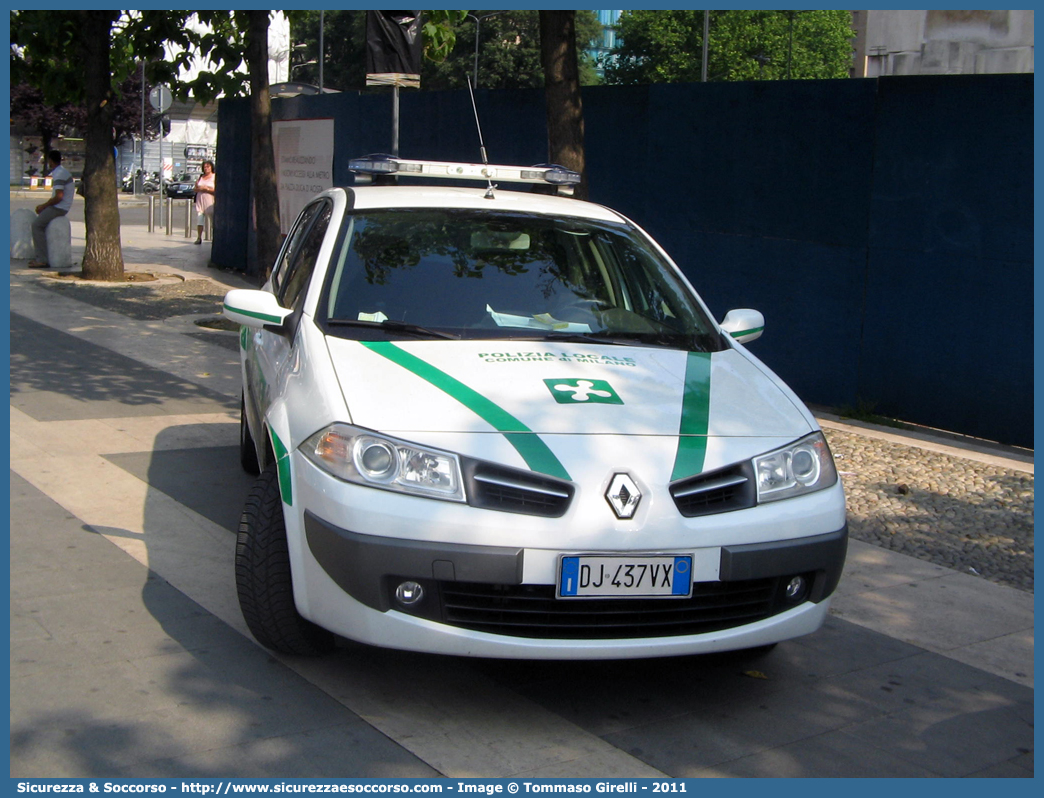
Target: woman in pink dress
204 198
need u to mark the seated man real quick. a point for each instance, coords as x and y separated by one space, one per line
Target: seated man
58 205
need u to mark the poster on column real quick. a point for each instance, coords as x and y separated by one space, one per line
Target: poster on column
304 163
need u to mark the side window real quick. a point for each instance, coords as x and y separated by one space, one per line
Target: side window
291 247
291 291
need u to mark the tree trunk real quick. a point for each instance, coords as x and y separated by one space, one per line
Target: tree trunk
266 189
103 255
565 112
46 137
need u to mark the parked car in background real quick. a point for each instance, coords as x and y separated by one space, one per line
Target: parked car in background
182 188
503 424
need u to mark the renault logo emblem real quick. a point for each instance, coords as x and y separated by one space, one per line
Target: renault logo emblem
623 496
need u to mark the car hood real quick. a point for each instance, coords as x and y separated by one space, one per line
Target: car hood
559 389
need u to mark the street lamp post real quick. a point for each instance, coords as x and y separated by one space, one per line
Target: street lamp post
290 59
478 25
322 20
298 66
140 179
762 59
790 37
705 55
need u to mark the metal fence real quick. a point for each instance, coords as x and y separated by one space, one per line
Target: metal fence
883 226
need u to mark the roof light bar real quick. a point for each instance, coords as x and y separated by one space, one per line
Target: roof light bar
552 174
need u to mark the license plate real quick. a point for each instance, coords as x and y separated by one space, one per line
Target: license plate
627 576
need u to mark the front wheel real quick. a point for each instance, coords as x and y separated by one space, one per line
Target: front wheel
263 579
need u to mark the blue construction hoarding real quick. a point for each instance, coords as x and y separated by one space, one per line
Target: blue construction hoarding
883 226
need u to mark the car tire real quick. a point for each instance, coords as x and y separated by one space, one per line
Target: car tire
263 578
247 452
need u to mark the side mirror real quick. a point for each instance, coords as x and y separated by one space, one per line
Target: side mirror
744 324
253 308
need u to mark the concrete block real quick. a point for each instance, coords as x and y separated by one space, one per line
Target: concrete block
59 243
906 63
22 233
1016 59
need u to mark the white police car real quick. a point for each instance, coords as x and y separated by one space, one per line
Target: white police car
501 423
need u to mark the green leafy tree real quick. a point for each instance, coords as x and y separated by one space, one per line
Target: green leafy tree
517 49
509 49
82 58
667 46
344 45
231 42
30 113
439 34
34 116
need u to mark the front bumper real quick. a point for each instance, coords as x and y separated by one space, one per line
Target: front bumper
479 592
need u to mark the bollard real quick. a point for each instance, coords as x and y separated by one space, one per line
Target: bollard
188 218
22 233
152 213
208 226
170 214
59 243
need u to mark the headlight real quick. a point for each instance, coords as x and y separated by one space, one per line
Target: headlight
802 467
360 456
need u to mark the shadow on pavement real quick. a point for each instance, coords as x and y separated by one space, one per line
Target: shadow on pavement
83 380
251 715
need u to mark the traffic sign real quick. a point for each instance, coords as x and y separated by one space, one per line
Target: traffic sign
160 98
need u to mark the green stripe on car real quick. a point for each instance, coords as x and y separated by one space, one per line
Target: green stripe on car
695 417
282 457
528 444
265 317
751 331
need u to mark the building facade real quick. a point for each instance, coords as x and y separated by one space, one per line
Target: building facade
602 49
939 42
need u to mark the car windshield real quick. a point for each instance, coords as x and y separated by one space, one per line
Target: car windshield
482 275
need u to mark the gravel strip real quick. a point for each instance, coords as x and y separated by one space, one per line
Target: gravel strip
961 514
146 301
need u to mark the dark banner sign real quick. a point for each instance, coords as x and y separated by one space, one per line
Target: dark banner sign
393 48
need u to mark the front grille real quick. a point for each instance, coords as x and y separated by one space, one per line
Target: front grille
720 491
512 490
533 611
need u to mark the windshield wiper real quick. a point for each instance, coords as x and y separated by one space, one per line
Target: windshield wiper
589 338
392 325
621 338
690 342
583 338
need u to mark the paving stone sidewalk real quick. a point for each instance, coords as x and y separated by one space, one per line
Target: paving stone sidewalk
970 516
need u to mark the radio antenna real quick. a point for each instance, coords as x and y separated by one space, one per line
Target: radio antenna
482 144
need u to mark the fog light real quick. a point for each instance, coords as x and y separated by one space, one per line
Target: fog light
409 593
796 589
